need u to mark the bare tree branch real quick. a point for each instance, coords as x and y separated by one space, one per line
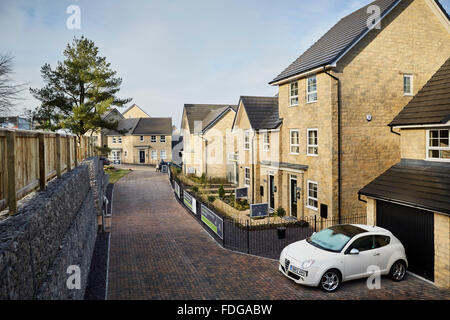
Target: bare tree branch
9 92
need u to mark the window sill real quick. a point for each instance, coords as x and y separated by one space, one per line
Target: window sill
294 154
312 208
308 102
312 155
293 106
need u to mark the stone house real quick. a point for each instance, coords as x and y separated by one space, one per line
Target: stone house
135 112
412 198
337 98
146 141
255 141
204 132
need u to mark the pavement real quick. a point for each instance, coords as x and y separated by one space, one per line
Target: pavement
159 251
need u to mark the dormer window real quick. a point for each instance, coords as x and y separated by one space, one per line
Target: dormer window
407 85
141 138
153 139
438 144
311 89
293 94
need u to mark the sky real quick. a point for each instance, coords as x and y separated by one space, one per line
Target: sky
172 52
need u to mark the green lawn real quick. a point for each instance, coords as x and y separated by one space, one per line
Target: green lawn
116 174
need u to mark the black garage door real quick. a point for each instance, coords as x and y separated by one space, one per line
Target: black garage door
415 229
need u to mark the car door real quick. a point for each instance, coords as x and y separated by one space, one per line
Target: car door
356 265
382 252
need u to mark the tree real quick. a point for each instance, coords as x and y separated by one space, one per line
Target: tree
8 91
78 92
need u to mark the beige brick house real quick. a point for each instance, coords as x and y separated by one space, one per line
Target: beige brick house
204 130
135 112
337 98
412 198
100 139
255 140
146 141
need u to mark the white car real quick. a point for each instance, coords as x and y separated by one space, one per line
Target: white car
342 253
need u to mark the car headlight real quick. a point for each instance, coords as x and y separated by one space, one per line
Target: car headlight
308 263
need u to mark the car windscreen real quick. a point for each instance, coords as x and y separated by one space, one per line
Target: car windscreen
334 238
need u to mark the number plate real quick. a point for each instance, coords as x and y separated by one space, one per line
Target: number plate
298 271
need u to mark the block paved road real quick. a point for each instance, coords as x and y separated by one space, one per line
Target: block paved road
159 251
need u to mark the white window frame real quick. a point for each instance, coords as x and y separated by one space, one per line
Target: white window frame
247 143
310 93
429 148
266 141
162 138
308 145
125 154
411 81
308 197
245 177
141 138
154 155
291 96
152 139
114 140
119 139
163 154
295 145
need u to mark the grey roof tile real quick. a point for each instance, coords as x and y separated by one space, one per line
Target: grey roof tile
262 112
424 184
335 42
147 126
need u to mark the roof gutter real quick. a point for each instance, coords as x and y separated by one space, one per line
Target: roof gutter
339 102
302 75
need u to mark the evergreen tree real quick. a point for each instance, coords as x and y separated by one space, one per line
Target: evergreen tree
78 92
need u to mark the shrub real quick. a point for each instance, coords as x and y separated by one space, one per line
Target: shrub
195 188
281 212
203 178
211 199
221 192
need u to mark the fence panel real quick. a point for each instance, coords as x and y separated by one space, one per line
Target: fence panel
23 154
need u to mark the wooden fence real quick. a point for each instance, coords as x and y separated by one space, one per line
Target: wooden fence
29 159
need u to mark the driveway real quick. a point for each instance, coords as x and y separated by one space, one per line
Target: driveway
159 251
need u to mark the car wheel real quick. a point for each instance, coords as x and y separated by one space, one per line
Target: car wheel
398 271
330 280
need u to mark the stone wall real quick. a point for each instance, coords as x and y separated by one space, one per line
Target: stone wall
52 230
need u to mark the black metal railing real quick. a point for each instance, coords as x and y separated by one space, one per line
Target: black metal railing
257 237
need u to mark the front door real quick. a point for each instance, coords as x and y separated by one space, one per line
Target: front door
141 156
271 192
294 197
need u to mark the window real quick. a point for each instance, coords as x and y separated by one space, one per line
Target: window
362 244
312 195
119 139
293 94
266 141
295 146
407 85
141 138
438 144
153 139
125 153
153 154
247 140
163 154
114 140
247 177
162 138
381 241
312 148
311 89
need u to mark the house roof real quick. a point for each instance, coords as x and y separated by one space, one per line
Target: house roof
147 126
204 113
419 183
431 105
124 124
262 112
336 42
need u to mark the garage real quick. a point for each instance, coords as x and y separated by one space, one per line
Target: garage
415 229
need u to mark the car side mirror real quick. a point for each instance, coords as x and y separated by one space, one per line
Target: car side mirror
354 251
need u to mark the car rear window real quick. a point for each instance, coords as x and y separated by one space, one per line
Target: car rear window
382 241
